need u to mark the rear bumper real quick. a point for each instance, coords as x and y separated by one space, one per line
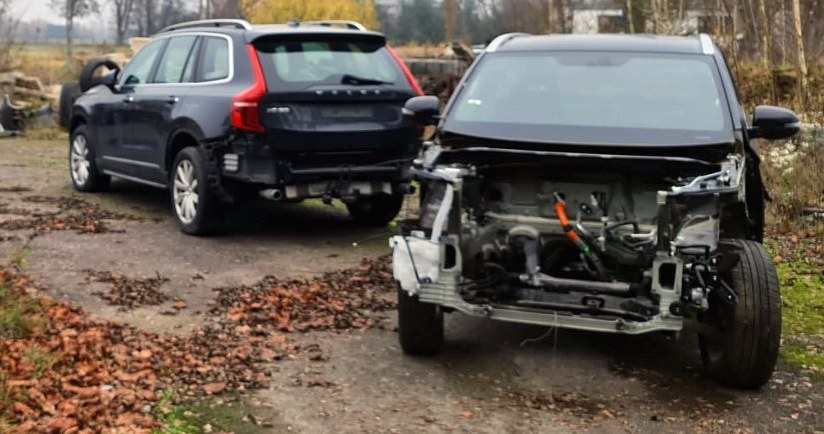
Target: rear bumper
317 174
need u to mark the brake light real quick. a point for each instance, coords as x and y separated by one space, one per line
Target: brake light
409 77
246 105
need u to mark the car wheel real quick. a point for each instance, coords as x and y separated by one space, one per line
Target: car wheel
420 326
376 210
82 167
743 350
195 205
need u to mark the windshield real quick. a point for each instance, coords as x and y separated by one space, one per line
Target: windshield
297 65
594 97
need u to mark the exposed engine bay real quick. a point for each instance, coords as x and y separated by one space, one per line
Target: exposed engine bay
616 243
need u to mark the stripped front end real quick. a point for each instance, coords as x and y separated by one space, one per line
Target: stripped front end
612 243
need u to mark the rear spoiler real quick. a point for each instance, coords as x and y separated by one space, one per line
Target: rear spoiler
322 34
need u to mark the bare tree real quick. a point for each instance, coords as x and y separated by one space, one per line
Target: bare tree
8 29
122 18
69 10
800 61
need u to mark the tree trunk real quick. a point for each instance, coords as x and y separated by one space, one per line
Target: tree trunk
630 19
69 56
800 60
766 33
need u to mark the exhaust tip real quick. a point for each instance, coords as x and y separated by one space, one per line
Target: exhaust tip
274 194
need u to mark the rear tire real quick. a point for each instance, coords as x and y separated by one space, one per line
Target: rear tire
195 205
745 352
82 166
376 210
420 326
68 94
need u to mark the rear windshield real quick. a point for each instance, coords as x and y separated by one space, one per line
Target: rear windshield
294 65
594 97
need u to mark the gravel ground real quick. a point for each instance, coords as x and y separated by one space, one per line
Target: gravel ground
487 380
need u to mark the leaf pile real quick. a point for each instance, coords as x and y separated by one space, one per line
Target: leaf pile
74 373
806 246
337 300
129 293
73 214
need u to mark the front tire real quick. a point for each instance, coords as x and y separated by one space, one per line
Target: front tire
376 210
420 326
82 167
744 352
195 205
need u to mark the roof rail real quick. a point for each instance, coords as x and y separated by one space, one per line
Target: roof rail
503 39
707 46
238 24
351 25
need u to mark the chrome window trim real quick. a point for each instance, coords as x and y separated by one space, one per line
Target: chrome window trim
228 79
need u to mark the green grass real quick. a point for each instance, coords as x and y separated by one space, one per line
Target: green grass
19 314
190 418
802 295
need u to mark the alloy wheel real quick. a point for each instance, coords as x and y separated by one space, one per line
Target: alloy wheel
184 192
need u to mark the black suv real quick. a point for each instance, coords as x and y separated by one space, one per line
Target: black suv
605 183
221 110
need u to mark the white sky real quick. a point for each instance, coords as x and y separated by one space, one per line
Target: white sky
29 10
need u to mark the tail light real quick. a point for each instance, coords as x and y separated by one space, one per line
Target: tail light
246 105
409 77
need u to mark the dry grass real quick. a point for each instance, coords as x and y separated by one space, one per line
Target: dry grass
48 61
416 51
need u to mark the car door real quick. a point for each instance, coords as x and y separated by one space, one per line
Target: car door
121 155
156 104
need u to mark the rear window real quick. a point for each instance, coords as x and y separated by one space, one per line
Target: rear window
294 65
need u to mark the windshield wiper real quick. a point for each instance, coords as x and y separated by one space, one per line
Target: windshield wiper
360 81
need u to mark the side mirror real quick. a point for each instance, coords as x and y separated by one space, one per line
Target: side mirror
422 110
773 123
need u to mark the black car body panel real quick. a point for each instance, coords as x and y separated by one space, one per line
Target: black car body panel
180 88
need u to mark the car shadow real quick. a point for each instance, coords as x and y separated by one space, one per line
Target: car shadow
256 216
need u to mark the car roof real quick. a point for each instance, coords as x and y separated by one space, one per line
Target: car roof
253 32
604 42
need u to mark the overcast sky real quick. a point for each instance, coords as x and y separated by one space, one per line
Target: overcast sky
29 10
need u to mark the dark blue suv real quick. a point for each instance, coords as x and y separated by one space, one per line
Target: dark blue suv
220 110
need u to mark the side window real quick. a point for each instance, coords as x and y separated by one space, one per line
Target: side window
174 60
139 68
214 59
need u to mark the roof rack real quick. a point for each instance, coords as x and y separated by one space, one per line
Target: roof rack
707 47
238 24
351 25
503 39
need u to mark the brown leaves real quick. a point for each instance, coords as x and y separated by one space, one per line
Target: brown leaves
129 293
102 375
73 214
337 300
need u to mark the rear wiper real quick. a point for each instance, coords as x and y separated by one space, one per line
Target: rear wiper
360 81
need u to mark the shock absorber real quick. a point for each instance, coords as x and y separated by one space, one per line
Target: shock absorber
574 237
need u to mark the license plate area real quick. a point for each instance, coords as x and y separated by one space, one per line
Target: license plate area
346 112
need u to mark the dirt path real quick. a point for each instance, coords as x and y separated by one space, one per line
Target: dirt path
488 380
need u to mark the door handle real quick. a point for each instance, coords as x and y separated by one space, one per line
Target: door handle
172 100
129 99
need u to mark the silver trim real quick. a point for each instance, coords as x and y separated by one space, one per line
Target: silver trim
132 162
134 179
352 25
202 83
238 24
503 39
707 46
